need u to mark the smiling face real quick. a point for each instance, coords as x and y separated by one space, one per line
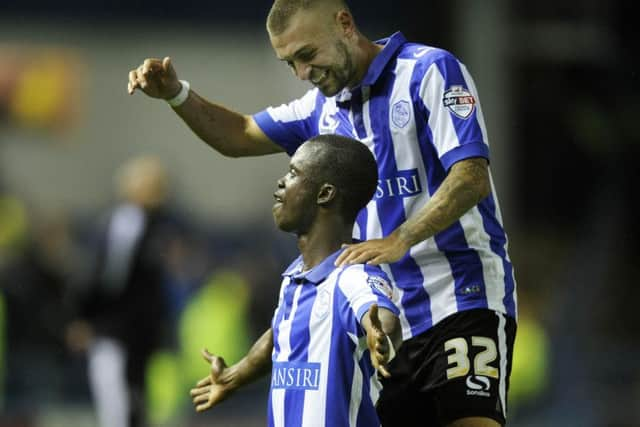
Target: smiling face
315 46
295 208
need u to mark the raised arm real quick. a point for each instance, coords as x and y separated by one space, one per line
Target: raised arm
465 186
228 132
222 381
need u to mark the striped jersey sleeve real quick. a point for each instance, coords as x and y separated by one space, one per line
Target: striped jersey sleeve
363 286
450 98
289 125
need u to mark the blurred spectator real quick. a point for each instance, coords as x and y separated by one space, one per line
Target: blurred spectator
33 276
124 309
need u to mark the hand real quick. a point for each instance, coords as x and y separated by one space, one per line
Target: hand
374 252
212 389
378 343
156 78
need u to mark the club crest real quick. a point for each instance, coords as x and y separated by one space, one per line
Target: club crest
400 113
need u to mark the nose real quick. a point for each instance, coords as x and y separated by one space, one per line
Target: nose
280 182
303 71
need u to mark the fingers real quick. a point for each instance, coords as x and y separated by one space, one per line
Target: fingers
205 381
133 82
207 356
139 78
356 254
166 64
383 371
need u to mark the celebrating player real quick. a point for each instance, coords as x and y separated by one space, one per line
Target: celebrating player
327 316
434 223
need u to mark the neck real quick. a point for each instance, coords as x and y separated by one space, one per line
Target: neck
367 51
323 239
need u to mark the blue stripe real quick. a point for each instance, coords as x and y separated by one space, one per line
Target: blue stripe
299 343
464 262
361 220
498 242
406 271
340 367
468 130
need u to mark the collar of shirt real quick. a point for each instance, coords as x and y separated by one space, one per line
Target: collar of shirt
316 275
391 46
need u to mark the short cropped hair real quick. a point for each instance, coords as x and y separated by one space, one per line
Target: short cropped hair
348 165
282 11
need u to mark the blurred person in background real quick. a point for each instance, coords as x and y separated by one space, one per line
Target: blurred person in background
434 223
334 327
36 259
123 312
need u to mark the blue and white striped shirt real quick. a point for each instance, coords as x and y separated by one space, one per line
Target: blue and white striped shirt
417 110
322 373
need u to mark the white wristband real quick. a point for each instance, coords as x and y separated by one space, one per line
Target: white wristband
182 96
392 351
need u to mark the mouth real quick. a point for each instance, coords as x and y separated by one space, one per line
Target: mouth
319 79
277 197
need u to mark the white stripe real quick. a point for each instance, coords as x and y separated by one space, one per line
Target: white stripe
492 267
284 333
298 109
353 284
502 349
444 133
472 89
319 350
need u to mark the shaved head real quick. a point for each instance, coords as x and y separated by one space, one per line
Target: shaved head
283 10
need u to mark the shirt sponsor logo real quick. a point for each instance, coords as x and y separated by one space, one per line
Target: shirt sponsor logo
400 113
459 101
406 183
295 376
478 385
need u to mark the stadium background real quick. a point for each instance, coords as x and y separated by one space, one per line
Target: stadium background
559 85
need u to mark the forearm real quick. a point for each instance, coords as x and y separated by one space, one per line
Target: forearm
465 186
254 365
230 133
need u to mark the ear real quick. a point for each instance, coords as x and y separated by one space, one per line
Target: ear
326 194
345 22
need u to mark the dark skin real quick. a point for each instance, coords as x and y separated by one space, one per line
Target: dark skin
311 210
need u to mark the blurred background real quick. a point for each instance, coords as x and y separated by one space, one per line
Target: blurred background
558 82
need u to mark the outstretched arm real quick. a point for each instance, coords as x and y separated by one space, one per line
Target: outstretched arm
384 336
230 133
222 381
465 186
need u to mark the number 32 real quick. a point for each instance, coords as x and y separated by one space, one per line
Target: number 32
460 359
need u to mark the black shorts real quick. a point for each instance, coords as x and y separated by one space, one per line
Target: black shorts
459 368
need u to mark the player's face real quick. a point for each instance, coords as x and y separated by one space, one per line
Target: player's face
316 51
295 207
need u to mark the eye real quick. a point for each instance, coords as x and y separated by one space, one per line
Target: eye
307 56
292 173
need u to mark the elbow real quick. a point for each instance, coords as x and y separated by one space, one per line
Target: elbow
484 189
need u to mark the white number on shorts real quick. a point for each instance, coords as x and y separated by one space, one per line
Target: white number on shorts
460 359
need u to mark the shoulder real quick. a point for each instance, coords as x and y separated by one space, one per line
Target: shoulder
365 277
425 57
